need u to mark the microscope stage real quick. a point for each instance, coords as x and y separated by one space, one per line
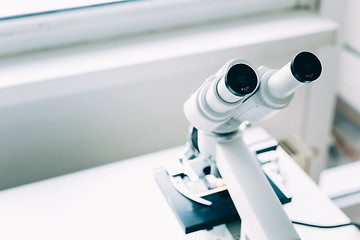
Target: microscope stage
192 215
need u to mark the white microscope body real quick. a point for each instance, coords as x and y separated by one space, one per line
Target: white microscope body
237 93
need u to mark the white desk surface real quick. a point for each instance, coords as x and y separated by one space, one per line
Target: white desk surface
122 201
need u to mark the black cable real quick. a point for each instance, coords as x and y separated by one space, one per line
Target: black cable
328 226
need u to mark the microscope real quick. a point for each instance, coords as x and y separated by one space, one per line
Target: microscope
220 178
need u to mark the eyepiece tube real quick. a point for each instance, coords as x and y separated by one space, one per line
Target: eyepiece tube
221 94
304 68
238 80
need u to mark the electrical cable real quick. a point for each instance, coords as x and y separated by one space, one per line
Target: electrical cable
327 226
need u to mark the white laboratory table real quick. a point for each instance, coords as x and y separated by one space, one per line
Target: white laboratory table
122 201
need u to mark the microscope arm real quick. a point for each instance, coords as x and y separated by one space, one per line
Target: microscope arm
253 197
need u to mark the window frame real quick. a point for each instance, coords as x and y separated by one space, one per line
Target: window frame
84 25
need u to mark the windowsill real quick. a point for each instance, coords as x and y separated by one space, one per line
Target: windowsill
300 29
342 184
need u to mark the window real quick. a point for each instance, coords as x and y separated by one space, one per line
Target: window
20 8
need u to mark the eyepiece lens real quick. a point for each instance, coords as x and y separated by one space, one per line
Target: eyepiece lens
306 67
241 79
